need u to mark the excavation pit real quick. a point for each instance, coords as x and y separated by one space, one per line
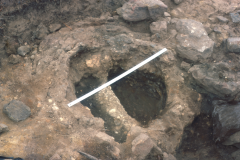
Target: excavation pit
135 99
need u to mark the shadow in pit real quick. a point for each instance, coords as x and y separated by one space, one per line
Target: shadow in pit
197 140
143 95
84 86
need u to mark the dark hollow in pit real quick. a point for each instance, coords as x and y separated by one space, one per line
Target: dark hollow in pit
197 142
143 95
83 87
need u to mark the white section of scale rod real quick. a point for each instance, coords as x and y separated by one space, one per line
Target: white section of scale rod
117 78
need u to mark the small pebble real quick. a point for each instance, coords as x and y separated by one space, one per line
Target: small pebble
217 29
32 57
222 19
166 14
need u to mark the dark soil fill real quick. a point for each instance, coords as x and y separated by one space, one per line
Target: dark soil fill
142 95
197 142
83 87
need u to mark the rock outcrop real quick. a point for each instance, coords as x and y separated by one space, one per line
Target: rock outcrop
141 10
194 43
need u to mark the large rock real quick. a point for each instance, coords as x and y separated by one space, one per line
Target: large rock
194 43
16 110
226 119
141 10
219 79
233 44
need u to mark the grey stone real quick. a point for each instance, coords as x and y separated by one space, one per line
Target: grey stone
16 110
159 27
131 13
14 59
23 50
191 27
236 155
233 139
235 17
142 145
222 19
185 66
141 10
54 27
217 79
194 43
120 43
193 49
168 156
177 1
3 128
233 44
226 119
